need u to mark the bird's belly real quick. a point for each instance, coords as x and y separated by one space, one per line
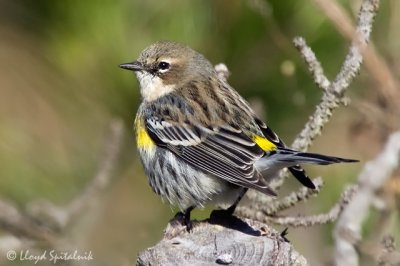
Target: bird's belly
182 184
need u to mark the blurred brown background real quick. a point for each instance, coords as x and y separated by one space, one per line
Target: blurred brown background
60 87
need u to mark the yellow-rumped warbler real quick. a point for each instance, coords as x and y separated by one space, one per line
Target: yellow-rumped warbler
198 139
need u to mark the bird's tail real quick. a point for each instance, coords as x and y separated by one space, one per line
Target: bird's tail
287 155
284 157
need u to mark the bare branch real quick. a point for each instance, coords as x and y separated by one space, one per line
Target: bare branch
295 197
14 221
387 84
10 242
333 95
270 208
314 66
336 13
103 175
388 254
371 179
306 221
384 252
42 220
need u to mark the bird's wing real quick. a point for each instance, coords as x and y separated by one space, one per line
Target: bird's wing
222 151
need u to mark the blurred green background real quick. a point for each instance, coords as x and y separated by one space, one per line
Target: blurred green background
60 87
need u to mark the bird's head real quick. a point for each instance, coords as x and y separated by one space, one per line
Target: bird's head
165 66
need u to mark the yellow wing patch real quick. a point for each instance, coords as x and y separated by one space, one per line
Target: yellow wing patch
264 143
143 139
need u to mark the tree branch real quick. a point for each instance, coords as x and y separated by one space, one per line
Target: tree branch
314 66
333 94
270 208
348 229
387 84
305 221
42 220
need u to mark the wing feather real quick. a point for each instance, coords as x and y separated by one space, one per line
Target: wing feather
222 151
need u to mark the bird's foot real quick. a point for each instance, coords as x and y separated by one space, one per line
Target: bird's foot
184 219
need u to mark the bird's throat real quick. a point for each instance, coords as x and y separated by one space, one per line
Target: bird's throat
152 87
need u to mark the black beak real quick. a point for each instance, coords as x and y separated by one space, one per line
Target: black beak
133 66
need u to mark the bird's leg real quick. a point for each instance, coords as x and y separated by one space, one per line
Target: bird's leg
184 218
218 214
232 208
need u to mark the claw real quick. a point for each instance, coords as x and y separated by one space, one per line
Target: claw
184 219
283 234
189 225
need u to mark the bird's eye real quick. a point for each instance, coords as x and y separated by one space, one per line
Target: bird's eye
163 66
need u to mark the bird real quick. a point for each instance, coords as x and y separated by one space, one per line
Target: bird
199 140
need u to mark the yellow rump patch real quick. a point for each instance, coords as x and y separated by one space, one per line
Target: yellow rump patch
143 139
264 143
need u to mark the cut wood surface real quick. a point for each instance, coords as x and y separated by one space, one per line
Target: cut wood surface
217 241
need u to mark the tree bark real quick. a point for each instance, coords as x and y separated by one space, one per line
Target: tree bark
224 241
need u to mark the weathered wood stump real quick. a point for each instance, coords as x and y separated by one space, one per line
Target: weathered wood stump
221 241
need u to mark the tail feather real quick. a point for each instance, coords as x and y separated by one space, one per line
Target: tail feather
300 174
313 158
284 157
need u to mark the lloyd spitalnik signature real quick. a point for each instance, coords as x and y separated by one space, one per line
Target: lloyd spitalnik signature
50 255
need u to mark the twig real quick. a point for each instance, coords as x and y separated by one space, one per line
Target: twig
10 242
273 207
103 175
333 95
306 221
314 66
377 116
388 254
387 84
295 197
42 220
60 217
16 222
384 252
371 179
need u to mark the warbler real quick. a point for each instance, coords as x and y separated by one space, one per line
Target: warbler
199 141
